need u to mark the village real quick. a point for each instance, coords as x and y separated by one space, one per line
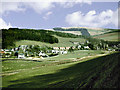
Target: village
36 51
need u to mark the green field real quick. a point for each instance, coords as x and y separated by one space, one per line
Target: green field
63 42
109 36
71 70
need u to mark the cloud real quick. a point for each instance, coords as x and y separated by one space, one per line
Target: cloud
38 6
11 6
71 3
4 25
47 15
91 19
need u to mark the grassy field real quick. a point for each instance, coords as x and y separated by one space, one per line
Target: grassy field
91 31
74 71
62 42
109 36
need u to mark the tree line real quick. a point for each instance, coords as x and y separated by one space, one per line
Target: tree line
11 35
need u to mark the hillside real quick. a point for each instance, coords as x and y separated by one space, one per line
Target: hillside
13 35
110 36
85 31
92 72
63 42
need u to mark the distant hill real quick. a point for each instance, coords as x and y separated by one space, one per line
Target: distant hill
112 35
85 31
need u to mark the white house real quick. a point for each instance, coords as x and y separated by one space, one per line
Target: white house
67 48
86 47
23 46
61 52
55 51
65 52
62 48
21 56
75 42
42 54
56 48
79 46
12 50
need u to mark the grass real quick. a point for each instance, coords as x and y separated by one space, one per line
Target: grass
91 31
76 54
90 72
63 42
109 36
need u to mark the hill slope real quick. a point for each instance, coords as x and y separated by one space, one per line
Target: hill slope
101 72
44 36
110 36
63 42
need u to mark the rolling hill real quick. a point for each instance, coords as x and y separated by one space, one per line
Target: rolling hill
109 36
81 30
94 72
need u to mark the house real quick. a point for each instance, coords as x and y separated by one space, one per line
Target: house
62 48
75 42
63 52
21 56
73 47
56 48
67 48
55 51
8 52
2 52
23 46
16 48
1 49
86 47
12 50
42 54
79 46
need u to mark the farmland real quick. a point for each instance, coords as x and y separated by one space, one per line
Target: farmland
109 36
62 42
93 65
68 72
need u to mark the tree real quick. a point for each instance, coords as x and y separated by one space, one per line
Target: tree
70 49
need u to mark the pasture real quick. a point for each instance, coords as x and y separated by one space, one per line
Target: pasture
109 36
63 42
60 71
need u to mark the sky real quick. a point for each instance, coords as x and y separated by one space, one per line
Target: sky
50 14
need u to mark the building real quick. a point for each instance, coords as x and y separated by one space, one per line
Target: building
63 52
62 48
42 54
67 48
2 52
56 48
21 56
75 42
86 47
79 46
73 47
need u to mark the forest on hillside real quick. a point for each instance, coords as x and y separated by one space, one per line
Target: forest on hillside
11 35
14 34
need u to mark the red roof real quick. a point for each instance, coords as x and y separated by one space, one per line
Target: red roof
2 52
